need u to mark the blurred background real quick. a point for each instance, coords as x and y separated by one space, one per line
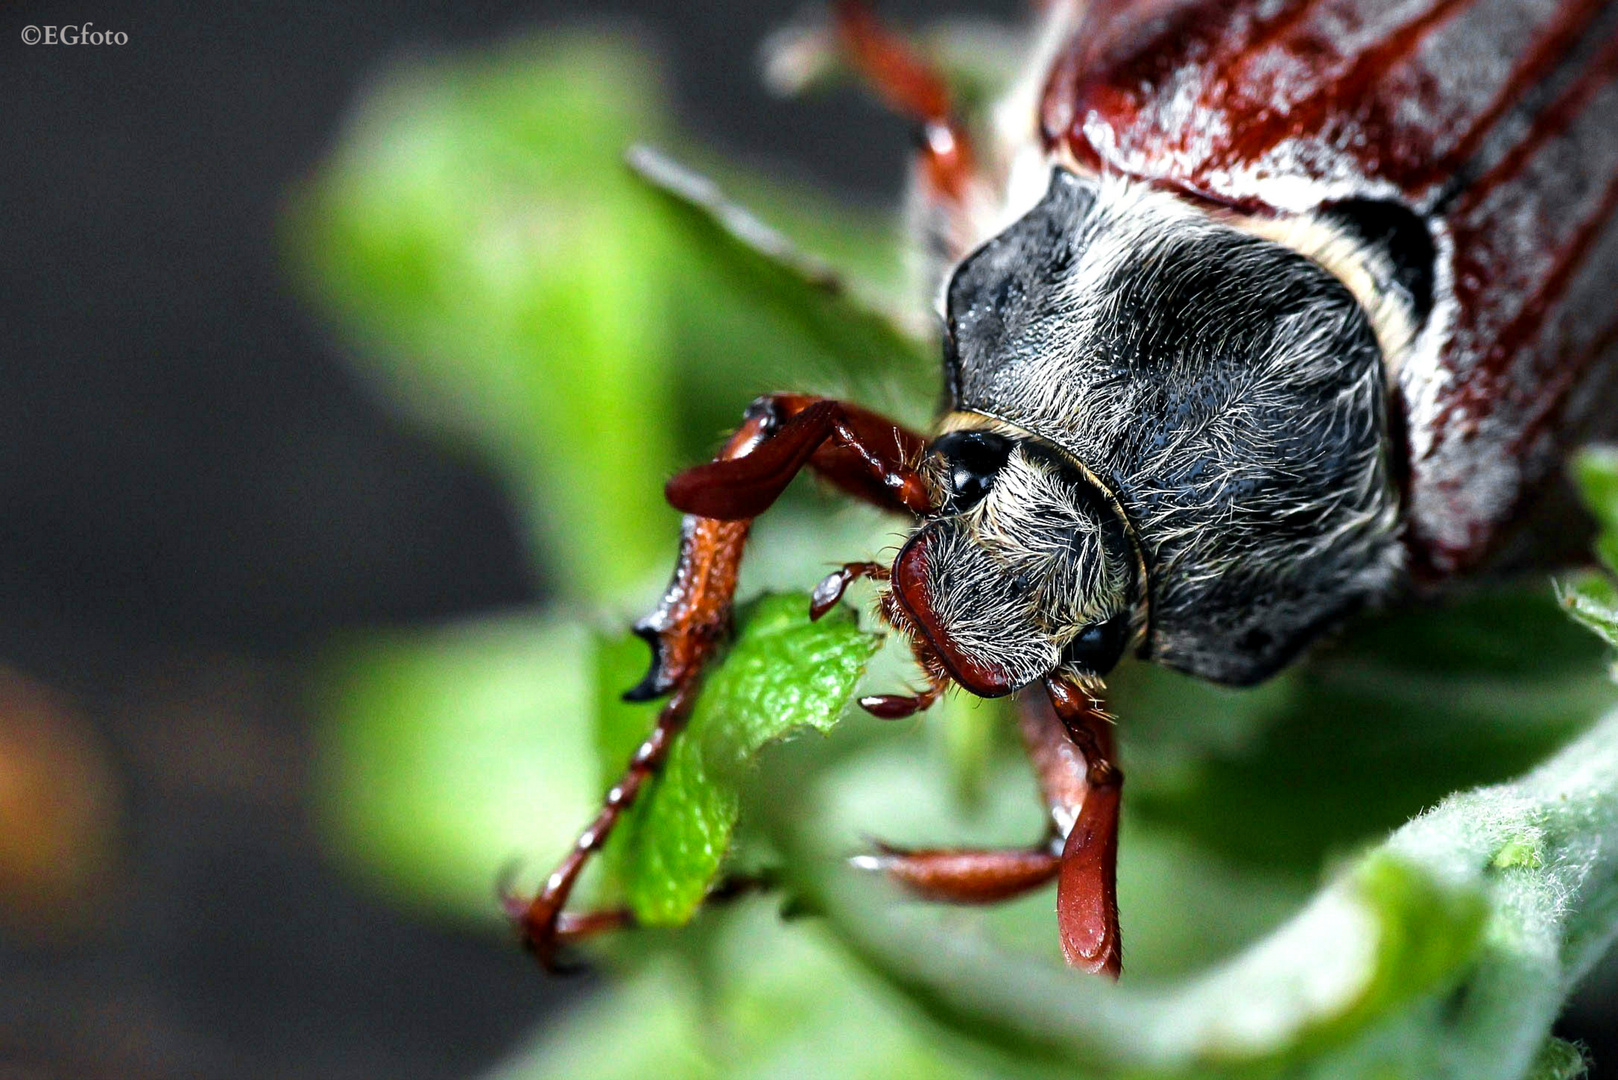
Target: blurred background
340 368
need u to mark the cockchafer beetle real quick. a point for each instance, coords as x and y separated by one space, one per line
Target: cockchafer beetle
1256 312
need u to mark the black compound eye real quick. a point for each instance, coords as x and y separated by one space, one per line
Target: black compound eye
972 458
1099 646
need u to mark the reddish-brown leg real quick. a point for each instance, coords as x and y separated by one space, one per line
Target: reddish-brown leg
1069 742
856 450
862 453
1087 890
955 200
964 875
883 706
913 87
986 876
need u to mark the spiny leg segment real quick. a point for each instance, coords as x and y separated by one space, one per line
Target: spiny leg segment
858 451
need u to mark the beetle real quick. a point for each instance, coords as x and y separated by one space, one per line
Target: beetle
1256 313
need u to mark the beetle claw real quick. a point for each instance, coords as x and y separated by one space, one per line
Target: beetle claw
656 682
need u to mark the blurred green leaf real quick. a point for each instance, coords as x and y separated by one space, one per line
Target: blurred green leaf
1596 470
1356 982
444 754
1427 701
650 1025
479 239
971 728
817 302
770 1001
782 675
1593 598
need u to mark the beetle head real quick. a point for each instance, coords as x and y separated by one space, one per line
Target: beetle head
1227 388
1027 569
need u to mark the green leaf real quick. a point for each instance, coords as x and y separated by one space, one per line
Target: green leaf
756 261
1427 700
1446 951
1596 471
970 728
648 1025
783 674
769 1000
444 754
478 239
1593 600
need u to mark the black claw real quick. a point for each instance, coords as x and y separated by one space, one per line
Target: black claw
764 406
656 683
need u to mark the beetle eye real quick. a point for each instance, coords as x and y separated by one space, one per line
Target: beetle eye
973 458
1098 646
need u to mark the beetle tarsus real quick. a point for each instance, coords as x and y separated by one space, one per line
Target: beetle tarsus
542 922
964 875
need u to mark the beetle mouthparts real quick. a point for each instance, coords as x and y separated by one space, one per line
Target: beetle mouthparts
914 598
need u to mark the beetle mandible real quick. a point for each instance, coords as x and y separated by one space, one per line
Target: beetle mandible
1255 314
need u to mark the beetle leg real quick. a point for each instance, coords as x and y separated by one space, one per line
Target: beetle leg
1087 890
964 875
987 876
858 451
1081 789
542 922
915 88
566 927
955 200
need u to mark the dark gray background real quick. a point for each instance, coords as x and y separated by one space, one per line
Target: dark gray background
192 488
